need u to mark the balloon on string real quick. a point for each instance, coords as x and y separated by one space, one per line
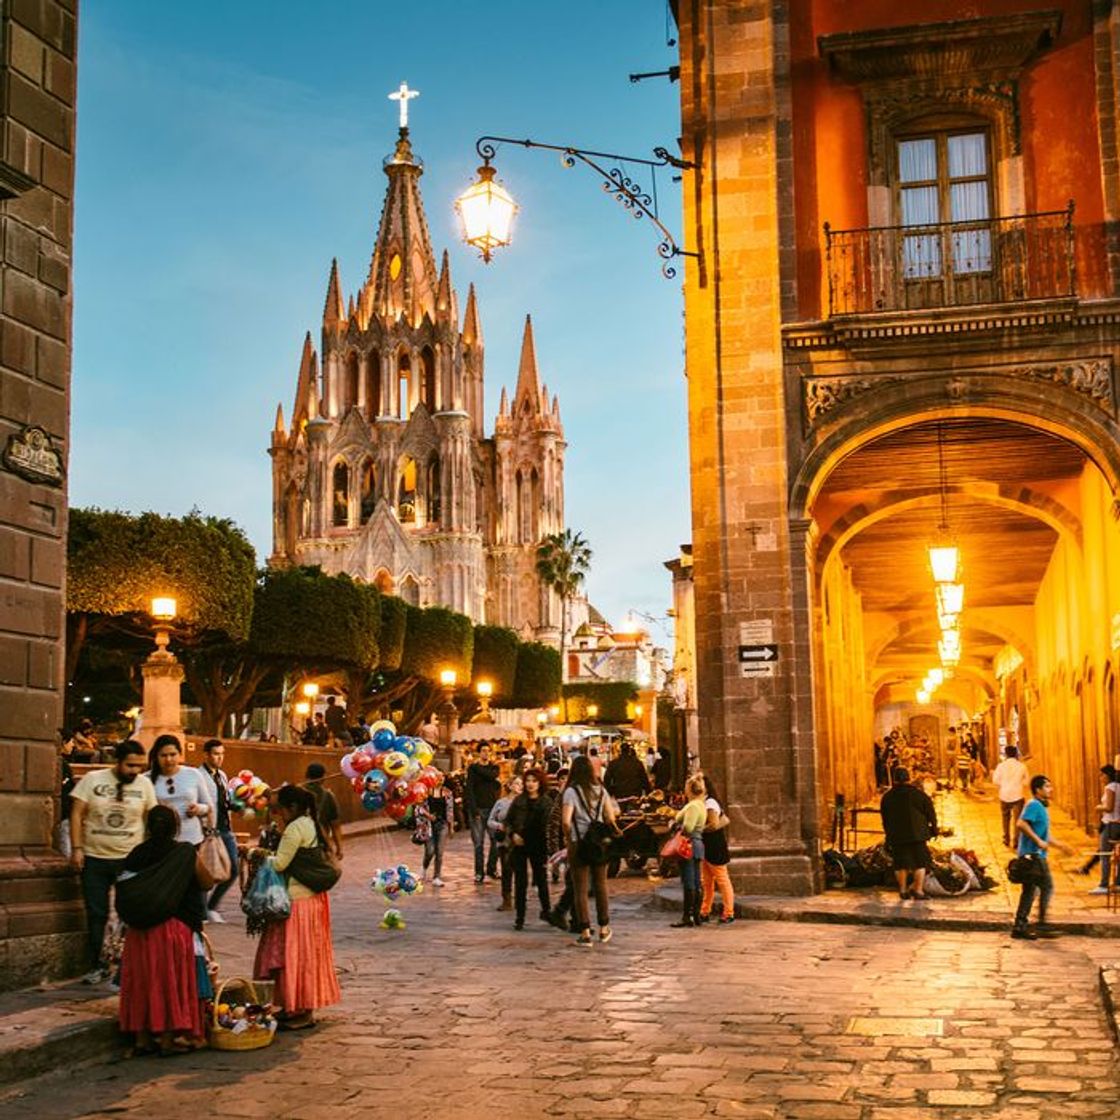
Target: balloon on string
403 744
361 762
346 765
382 738
382 724
395 764
376 780
423 753
397 809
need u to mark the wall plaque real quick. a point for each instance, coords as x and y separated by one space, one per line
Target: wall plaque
32 455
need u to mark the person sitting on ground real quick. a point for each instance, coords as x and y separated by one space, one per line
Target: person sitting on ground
326 807
909 821
163 909
626 777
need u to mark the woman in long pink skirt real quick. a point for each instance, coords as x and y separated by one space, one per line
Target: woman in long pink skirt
297 952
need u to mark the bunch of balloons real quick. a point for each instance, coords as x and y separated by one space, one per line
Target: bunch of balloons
248 794
391 772
393 882
392 920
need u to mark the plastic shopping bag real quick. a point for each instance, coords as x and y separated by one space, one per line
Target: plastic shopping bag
266 900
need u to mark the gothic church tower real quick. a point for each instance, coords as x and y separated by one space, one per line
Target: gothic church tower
385 472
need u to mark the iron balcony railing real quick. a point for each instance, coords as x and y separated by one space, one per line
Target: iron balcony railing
951 264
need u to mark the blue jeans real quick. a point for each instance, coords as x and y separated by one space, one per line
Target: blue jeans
1044 887
690 868
219 891
433 847
98 877
479 835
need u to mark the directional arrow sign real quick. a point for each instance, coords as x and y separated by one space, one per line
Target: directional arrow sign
761 654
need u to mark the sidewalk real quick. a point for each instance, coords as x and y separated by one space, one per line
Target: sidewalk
974 818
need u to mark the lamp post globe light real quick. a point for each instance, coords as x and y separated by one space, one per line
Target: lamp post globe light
486 210
163 677
448 716
485 690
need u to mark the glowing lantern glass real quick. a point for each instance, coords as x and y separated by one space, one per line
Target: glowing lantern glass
486 210
943 562
950 598
164 608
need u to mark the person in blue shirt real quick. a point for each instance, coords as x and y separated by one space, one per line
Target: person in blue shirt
1035 841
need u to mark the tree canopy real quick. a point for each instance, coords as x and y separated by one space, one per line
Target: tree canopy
537 681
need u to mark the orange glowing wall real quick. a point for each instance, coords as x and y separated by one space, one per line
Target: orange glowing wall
1061 149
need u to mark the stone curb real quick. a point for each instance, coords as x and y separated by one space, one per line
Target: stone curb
35 1041
1110 996
915 916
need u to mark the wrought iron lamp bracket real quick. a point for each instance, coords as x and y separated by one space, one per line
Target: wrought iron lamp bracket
626 191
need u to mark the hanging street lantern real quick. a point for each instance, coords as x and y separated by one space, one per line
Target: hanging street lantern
486 210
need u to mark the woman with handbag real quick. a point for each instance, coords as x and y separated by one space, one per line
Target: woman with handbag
690 821
717 855
588 820
182 788
160 898
527 827
297 952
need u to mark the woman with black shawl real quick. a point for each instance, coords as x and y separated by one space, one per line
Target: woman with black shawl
159 898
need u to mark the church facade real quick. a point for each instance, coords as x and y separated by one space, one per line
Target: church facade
385 471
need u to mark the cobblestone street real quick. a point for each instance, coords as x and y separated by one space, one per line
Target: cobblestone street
460 1016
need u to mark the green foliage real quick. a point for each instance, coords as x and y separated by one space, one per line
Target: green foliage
394 616
563 561
315 620
117 561
436 639
495 659
611 696
537 680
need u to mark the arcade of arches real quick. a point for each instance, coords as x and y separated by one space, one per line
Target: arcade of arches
1040 562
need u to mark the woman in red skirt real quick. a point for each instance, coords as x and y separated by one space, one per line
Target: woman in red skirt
159 897
296 951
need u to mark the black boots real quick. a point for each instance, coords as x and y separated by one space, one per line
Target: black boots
690 913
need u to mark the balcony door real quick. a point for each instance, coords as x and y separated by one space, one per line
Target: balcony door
943 193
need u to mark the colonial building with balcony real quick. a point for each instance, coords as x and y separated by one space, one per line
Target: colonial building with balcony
902 330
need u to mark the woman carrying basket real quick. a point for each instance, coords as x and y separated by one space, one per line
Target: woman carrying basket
296 951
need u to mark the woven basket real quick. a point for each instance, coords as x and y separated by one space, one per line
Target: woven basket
221 1038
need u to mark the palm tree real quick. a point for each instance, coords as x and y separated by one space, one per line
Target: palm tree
563 561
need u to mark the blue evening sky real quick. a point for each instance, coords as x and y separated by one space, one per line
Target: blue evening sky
226 151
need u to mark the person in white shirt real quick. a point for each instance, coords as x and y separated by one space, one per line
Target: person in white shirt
1011 777
181 787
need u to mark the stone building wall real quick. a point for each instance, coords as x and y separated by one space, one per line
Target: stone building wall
40 914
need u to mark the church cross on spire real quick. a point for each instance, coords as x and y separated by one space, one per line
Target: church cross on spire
404 95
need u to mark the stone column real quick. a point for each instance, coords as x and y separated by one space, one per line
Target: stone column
162 704
41 915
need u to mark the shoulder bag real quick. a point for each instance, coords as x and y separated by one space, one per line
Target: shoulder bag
214 856
314 869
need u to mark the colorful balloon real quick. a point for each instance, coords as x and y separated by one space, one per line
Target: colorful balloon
382 739
423 753
376 781
395 764
346 765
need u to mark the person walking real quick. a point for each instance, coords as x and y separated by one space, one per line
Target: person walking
909 821
626 777
1109 833
109 809
585 803
440 811
1035 843
952 755
717 855
481 791
690 821
181 787
160 898
213 755
297 951
527 827
326 807
496 824
1011 777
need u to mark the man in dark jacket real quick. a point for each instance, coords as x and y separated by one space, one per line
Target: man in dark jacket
909 820
626 776
481 791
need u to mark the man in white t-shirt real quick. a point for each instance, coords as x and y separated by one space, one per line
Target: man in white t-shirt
1011 777
108 812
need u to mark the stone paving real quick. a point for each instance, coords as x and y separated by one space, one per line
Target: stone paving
461 1016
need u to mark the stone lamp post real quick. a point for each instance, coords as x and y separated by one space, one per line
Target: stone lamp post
449 717
163 677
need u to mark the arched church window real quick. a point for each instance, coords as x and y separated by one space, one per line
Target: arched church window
428 381
406 493
291 519
340 495
410 591
534 507
517 489
404 385
524 509
351 382
383 582
373 385
432 491
369 489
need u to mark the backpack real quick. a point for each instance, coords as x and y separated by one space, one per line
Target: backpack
594 846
